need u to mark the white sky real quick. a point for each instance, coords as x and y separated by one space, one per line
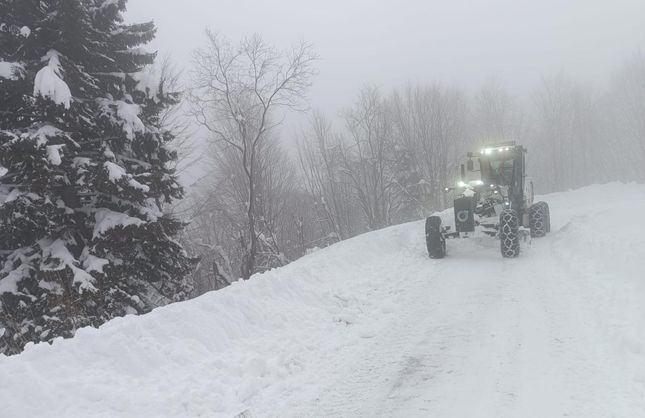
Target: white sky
390 42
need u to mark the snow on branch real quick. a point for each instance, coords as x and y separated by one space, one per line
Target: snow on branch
49 82
124 113
44 132
9 284
53 154
92 263
11 70
129 113
149 82
107 219
116 173
56 257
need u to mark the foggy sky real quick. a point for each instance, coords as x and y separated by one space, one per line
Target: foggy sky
390 42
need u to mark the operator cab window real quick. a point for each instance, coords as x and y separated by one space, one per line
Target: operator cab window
497 171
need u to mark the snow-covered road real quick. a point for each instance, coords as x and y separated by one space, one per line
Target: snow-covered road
512 338
373 328
558 332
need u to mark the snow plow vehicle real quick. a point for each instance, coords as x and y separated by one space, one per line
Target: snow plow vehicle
495 197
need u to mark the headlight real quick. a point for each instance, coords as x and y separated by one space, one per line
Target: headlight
461 184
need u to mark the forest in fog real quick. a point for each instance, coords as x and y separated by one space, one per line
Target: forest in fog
383 159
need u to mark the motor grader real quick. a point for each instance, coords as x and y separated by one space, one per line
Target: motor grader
495 197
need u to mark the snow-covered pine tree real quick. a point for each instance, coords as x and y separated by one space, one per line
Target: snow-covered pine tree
84 166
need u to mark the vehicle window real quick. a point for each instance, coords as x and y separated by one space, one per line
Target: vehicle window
497 171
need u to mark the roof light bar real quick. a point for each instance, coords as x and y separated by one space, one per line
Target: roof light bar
488 151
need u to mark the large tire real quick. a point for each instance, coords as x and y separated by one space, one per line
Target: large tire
435 240
539 219
509 226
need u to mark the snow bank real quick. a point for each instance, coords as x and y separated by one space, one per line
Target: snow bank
240 340
273 346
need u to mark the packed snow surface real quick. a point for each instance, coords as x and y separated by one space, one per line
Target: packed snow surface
372 327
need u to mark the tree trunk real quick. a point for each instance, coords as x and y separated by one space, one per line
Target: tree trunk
253 239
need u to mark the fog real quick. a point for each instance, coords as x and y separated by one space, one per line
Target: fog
388 43
344 183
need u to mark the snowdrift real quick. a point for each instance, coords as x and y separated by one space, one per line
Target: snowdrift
278 344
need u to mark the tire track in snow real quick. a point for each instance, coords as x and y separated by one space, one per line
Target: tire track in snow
380 365
495 340
422 353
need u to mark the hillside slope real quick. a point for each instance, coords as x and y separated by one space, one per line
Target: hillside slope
372 327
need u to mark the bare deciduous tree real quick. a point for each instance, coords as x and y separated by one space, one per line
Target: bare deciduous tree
321 162
564 134
174 118
237 91
430 124
497 117
368 157
625 145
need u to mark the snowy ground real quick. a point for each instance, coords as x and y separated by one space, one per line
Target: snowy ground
372 327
